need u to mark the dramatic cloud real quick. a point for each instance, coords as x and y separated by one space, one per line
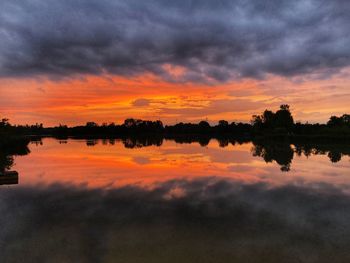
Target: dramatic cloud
141 102
178 40
245 222
214 107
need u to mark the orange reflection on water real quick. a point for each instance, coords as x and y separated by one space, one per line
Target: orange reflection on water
110 165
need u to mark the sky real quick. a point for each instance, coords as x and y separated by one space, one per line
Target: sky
69 62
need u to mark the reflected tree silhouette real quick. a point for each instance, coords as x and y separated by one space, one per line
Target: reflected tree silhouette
224 142
6 162
334 151
38 142
91 142
10 148
204 141
139 142
334 156
281 153
271 151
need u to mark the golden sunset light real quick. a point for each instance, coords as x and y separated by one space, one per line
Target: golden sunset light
178 131
75 101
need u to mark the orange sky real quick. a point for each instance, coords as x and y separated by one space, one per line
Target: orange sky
110 98
70 62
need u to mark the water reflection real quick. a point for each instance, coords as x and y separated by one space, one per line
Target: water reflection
202 220
7 152
335 152
142 142
115 162
157 200
281 152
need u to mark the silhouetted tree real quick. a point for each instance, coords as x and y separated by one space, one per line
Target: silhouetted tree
4 123
204 124
284 107
269 120
284 118
335 121
274 124
257 122
130 123
91 124
223 123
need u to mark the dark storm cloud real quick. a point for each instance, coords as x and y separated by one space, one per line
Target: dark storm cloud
212 40
212 220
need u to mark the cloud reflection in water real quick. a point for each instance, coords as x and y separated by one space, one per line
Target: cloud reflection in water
201 220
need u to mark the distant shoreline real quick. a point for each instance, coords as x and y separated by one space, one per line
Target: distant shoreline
269 125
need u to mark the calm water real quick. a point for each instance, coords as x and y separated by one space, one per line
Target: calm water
114 201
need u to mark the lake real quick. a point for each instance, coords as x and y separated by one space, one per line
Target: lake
86 200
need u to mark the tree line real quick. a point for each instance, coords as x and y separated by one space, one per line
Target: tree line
267 124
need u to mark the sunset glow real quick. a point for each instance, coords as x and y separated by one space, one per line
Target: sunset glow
112 99
179 61
175 131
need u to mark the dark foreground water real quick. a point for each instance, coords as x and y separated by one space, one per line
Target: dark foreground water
114 201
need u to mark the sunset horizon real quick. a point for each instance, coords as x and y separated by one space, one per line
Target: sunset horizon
179 131
113 99
187 61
